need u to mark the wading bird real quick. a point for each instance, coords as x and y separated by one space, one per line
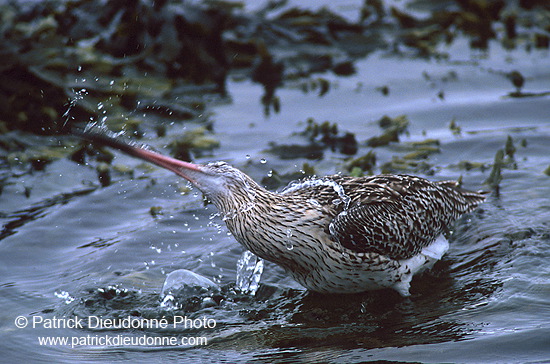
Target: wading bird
333 234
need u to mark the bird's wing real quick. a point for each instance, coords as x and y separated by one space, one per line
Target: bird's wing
396 216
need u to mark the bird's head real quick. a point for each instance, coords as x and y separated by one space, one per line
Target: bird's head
219 181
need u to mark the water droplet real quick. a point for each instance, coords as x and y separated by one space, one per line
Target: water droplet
249 272
263 161
331 229
64 295
270 173
247 156
289 245
314 202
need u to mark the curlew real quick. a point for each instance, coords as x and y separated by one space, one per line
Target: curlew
332 234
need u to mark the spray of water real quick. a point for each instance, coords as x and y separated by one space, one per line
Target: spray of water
249 271
316 182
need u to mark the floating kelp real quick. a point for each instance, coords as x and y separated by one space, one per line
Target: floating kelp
313 151
468 165
30 103
479 20
274 180
46 46
320 85
517 80
509 148
55 48
422 153
454 127
194 142
494 179
327 135
400 165
360 165
393 127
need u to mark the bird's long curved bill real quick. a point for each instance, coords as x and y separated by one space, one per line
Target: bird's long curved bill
175 165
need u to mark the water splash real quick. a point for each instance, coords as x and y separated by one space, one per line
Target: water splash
249 272
316 182
78 96
64 295
289 244
314 202
181 285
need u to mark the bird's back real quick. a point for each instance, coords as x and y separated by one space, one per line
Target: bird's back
392 215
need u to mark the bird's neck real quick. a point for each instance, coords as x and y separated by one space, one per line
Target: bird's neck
242 200
265 223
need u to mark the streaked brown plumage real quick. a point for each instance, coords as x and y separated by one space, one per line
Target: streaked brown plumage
333 234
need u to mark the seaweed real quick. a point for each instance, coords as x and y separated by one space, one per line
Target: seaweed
360 165
194 142
275 180
495 177
392 127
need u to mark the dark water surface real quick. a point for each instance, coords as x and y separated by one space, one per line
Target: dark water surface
70 247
